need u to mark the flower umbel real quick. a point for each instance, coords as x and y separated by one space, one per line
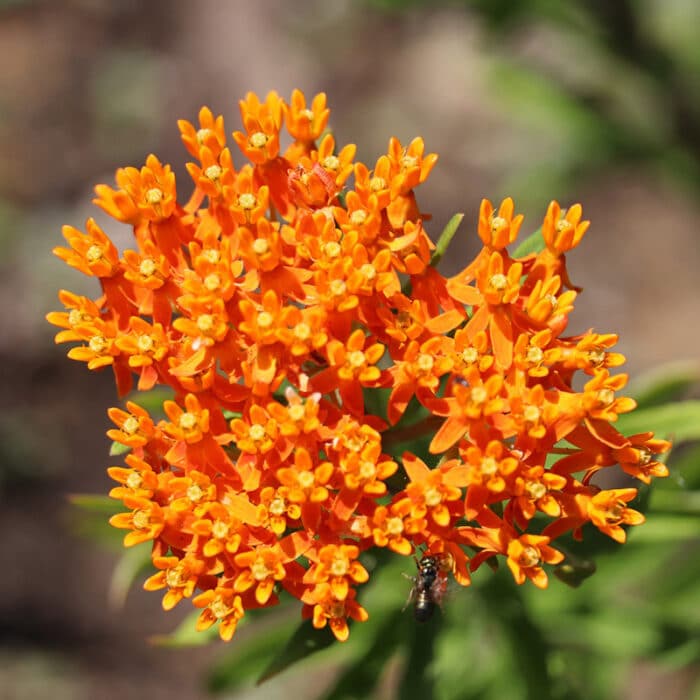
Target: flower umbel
274 303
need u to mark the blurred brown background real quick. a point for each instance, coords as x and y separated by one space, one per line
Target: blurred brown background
596 103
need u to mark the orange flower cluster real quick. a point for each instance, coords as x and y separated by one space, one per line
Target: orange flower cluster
275 304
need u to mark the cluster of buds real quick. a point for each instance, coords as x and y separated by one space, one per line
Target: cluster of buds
285 301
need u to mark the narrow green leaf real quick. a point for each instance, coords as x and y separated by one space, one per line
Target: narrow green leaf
417 681
185 634
305 641
534 243
135 561
117 448
445 238
677 421
665 384
94 504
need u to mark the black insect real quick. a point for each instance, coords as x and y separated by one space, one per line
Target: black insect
429 587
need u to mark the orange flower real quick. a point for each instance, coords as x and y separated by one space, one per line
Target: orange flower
327 610
525 556
220 605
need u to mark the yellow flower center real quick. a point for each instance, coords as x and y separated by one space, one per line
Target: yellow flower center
338 288
265 319
335 609
154 195
535 489
75 317
425 362
531 414
296 413
478 395
173 577
534 355
188 421
256 432
258 139
219 529
141 519
203 135
213 172
339 567
195 493
247 201
377 183
147 267
356 359
368 271
302 331
394 526
211 255
260 246
306 480
470 355
145 343
563 225
644 456
605 397
408 162
615 513
529 557
212 282
205 323
98 344
498 282
596 356
433 497
331 163
219 609
134 480
307 113
260 570
497 223
367 470
93 254
130 425
358 217
332 249
277 506
489 466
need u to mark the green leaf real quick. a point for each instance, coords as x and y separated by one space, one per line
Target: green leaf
665 384
185 634
675 501
417 682
94 504
445 238
305 641
534 243
677 421
135 561
117 448
672 529
251 655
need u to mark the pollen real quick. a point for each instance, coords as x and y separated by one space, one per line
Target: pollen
408 162
203 135
265 319
75 317
531 414
433 497
339 567
93 254
98 344
260 246
498 282
256 432
260 570
368 271
212 282
188 421
497 223
470 355
211 255
529 557
141 519
535 490
394 526
130 425
358 217
219 609
296 412
605 397
368 470
247 201
195 493
154 195
425 362
147 267
277 506
356 359
478 395
332 249
302 331
145 343
306 480
213 172
258 139
377 183
219 529
338 288
205 323
534 355
134 480
173 577
489 466
331 162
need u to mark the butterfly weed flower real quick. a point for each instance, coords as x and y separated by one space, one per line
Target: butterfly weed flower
290 305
